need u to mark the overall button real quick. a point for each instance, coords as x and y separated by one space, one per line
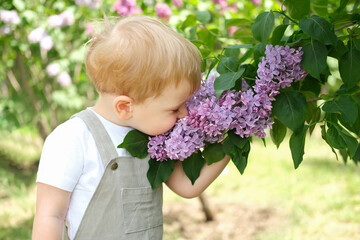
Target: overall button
114 166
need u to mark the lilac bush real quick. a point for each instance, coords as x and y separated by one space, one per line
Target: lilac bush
126 7
163 11
248 111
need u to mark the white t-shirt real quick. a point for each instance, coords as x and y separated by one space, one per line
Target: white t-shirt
71 161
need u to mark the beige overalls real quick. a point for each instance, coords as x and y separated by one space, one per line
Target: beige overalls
123 206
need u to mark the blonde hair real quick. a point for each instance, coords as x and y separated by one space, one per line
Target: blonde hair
139 57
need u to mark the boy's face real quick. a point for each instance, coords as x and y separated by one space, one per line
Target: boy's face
157 115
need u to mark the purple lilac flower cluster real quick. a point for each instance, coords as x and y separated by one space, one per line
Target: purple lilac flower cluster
163 11
63 19
39 35
248 112
10 18
126 7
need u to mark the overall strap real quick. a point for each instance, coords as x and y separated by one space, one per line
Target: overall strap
102 139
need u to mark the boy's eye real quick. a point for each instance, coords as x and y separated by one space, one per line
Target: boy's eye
176 110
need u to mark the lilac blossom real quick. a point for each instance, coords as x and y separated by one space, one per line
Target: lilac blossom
223 4
126 7
36 35
64 79
90 3
232 30
55 21
5 30
53 69
66 18
46 43
9 17
89 29
39 35
248 111
177 3
256 2
163 11
279 69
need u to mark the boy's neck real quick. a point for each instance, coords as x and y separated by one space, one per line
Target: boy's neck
104 107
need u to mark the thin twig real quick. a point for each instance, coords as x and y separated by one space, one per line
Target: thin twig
12 79
344 26
282 13
319 98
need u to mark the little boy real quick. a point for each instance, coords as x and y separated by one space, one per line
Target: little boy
86 187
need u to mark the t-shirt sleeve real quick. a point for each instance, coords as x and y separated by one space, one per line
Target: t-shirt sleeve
62 157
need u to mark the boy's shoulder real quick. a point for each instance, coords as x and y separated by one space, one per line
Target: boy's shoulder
71 130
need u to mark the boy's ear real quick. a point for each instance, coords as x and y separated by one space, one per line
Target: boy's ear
123 107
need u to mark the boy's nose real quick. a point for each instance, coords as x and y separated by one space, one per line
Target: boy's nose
182 112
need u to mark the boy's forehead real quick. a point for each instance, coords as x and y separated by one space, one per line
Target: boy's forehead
175 94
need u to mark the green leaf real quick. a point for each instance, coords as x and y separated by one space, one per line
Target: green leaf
334 139
349 140
320 29
356 157
237 140
213 153
214 62
345 105
343 4
259 52
232 52
344 155
320 7
159 172
238 149
311 84
227 81
315 119
291 109
206 37
297 144
355 128
349 67
314 58
135 142
240 159
189 22
19 4
277 132
193 165
324 136
246 55
277 34
192 32
227 64
203 16
356 43
263 26
235 22
240 46
297 8
338 50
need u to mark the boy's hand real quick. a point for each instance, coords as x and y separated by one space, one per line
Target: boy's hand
181 184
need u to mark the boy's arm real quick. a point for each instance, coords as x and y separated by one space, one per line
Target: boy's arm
51 207
181 184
